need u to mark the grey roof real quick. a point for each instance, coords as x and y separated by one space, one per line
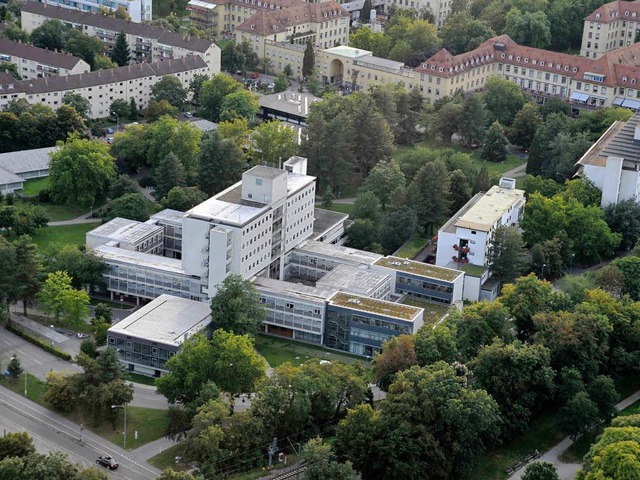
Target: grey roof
140 259
124 230
26 160
622 144
7 178
227 207
167 319
40 55
205 125
162 35
380 62
360 279
265 172
102 77
289 102
168 215
338 252
292 289
325 220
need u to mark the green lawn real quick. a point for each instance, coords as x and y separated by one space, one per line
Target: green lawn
498 168
542 435
57 213
473 270
35 387
143 379
412 247
167 458
433 312
148 422
223 42
278 351
340 207
34 186
46 237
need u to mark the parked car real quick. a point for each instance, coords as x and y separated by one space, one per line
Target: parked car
109 140
82 335
110 131
254 75
107 461
188 114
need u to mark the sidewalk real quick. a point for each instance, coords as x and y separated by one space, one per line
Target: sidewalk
568 471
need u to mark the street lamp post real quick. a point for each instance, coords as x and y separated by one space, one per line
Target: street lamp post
117 120
543 265
52 332
124 407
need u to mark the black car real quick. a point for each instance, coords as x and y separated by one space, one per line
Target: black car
107 461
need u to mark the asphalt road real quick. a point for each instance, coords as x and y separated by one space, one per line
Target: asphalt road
52 432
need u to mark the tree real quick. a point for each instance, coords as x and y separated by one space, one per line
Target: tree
120 107
213 93
308 60
169 88
68 122
610 279
524 126
82 264
624 218
630 268
472 119
384 179
365 12
89 348
459 190
281 82
578 416
54 292
80 172
518 376
540 471
169 135
397 227
616 461
133 108
508 258
528 28
27 270
170 474
52 35
15 368
102 62
328 197
16 444
398 354
495 144
602 391
84 46
169 173
77 101
462 33
156 109
239 104
103 311
236 307
183 199
503 100
370 133
478 325
430 190
121 185
9 291
121 53
134 206
274 142
483 182
321 465
11 68
435 344
220 164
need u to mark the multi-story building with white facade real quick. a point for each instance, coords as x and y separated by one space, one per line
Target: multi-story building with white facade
102 87
262 228
138 10
610 26
146 43
613 162
34 62
465 240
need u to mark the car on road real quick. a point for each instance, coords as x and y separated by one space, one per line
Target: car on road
109 140
254 75
82 335
188 114
107 461
110 131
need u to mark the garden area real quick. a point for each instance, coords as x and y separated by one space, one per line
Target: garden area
278 351
47 238
412 247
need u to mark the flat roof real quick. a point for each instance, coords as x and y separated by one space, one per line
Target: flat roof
265 172
355 279
141 259
488 209
297 181
168 215
419 268
346 254
204 125
381 62
26 160
346 51
379 307
167 319
292 289
125 230
225 207
325 220
289 102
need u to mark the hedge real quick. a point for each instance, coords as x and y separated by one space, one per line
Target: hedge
40 343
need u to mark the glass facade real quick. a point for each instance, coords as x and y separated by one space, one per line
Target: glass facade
437 291
295 314
137 281
141 352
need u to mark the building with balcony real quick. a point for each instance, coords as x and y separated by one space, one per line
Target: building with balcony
611 26
465 240
146 42
139 10
150 336
34 62
613 162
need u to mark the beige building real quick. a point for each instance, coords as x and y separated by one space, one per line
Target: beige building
102 87
324 24
34 62
440 9
611 26
147 43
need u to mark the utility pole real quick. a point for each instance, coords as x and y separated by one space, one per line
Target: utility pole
272 450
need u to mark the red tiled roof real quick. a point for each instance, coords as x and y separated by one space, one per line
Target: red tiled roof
266 22
618 10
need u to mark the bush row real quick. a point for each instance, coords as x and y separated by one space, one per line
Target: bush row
40 343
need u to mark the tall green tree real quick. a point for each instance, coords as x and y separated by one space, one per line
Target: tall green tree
236 307
77 101
540 471
528 28
52 35
365 12
167 135
28 271
220 164
430 190
495 144
472 120
16 444
308 60
624 218
507 257
384 179
170 88
183 199
322 465
478 325
84 46
169 173
524 126
213 93
243 104
134 206
121 53
274 142
80 172
503 100
462 33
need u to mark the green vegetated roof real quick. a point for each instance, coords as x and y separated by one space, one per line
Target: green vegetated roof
419 268
473 270
372 305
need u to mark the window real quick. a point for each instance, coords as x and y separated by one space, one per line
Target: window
258 181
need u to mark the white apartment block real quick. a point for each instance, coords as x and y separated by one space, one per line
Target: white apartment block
138 10
610 26
146 43
34 62
102 87
465 240
440 9
613 162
